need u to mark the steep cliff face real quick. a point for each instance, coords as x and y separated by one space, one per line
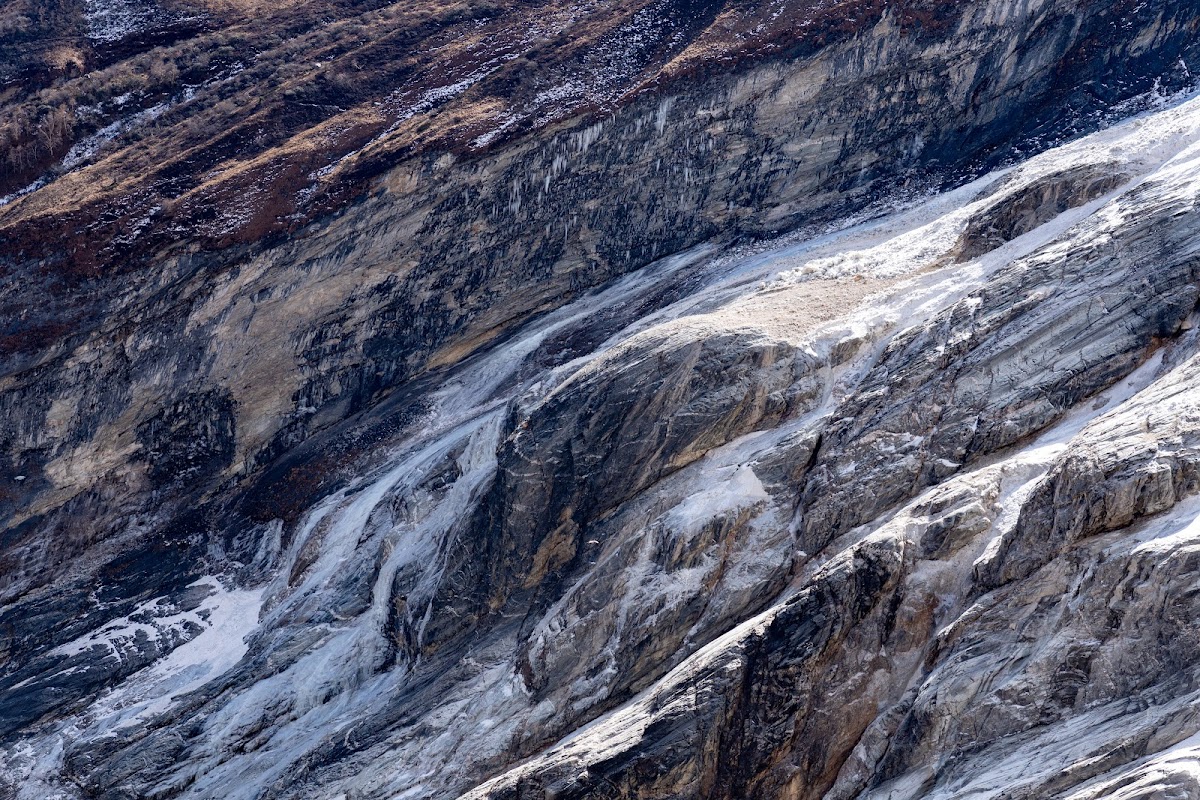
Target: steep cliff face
410 401
1020 629
141 325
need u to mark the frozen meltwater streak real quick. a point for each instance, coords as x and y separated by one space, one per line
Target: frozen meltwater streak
308 659
333 595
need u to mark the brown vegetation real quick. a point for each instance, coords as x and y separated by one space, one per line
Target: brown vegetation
249 118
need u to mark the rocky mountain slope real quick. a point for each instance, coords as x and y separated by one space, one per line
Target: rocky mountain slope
655 400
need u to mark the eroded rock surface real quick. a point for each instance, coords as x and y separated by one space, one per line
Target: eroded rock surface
505 473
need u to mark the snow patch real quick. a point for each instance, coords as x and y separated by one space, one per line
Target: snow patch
110 21
742 489
227 617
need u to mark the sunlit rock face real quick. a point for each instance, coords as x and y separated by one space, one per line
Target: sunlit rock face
715 400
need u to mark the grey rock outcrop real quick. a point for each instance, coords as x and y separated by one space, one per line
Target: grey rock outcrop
451 493
993 635
325 325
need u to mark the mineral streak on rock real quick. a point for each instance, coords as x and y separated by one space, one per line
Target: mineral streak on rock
613 400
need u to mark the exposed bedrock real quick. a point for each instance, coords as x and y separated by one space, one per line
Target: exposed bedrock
963 634
976 378
898 671
446 494
1030 343
605 434
640 504
1134 465
451 250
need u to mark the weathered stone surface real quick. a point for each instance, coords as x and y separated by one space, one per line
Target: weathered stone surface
1035 340
451 249
991 653
448 494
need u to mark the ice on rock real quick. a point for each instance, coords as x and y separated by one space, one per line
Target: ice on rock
740 489
367 565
